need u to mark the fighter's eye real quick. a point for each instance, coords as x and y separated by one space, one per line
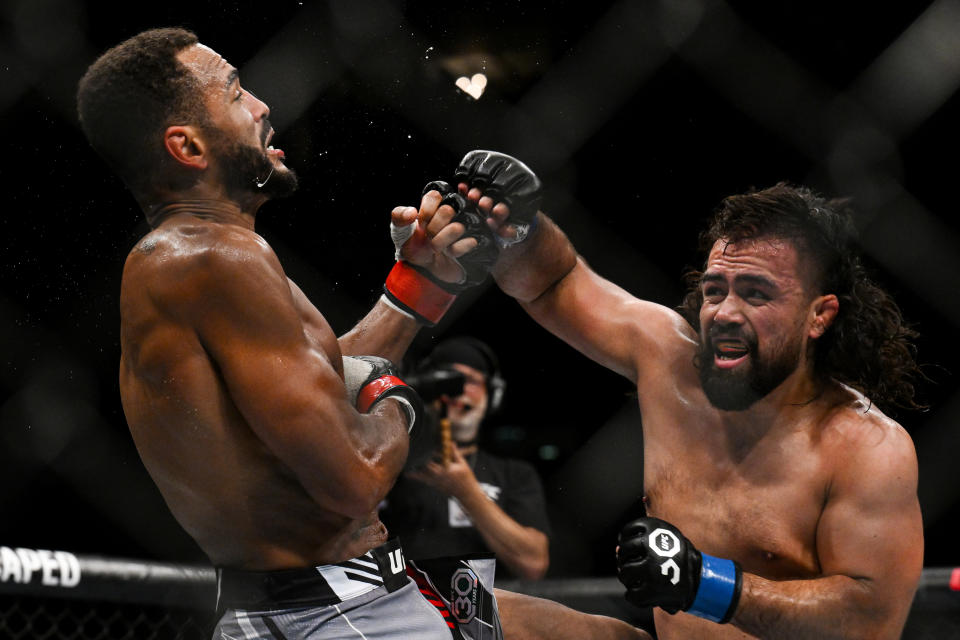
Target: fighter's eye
239 95
712 291
756 295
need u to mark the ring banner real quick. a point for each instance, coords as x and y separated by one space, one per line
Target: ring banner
62 574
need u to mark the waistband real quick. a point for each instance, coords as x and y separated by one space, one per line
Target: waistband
322 585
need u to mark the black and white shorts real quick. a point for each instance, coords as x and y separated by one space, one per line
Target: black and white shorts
375 596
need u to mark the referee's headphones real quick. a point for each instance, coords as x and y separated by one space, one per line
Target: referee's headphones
476 354
496 385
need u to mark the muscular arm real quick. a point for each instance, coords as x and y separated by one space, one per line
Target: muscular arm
870 545
383 332
607 324
527 270
240 303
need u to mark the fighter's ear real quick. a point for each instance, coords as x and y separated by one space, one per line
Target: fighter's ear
186 146
824 311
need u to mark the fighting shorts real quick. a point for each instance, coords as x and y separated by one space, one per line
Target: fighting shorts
375 596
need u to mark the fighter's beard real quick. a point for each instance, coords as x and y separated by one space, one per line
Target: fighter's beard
247 170
738 389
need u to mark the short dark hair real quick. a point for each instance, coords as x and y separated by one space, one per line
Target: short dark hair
869 346
130 95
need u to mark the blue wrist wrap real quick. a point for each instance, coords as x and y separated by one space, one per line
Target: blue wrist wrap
718 588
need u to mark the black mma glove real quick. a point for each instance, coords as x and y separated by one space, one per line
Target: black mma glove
477 262
661 568
370 379
416 290
506 180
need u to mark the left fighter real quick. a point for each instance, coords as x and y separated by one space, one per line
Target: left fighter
270 444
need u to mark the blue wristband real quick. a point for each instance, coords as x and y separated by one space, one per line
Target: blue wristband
719 587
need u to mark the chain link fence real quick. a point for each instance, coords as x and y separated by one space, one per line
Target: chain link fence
33 618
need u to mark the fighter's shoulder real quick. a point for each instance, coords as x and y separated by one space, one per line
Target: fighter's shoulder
863 438
196 249
183 263
659 329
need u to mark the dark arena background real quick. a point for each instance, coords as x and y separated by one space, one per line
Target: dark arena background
639 116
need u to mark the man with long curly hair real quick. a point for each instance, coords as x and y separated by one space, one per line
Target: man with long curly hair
781 502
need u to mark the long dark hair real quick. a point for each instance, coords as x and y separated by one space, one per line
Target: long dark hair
869 346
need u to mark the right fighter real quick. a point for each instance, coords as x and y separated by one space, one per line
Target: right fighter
781 502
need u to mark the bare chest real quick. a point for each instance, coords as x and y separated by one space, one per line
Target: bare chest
761 511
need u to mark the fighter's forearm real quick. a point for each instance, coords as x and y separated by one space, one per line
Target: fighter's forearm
355 459
383 332
383 438
822 608
523 549
528 269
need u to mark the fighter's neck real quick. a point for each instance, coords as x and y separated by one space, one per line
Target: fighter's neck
213 209
793 405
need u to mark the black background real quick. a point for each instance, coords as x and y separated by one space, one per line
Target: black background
631 192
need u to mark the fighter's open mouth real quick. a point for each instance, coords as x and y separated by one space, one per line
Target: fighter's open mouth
730 348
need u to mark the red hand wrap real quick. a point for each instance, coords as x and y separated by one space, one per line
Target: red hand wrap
373 390
418 293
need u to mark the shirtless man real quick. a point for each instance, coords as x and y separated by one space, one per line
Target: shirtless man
785 502
271 446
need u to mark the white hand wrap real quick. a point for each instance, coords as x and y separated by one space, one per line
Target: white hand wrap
355 374
400 235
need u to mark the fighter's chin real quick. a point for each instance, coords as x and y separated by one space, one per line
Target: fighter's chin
280 182
725 401
728 392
